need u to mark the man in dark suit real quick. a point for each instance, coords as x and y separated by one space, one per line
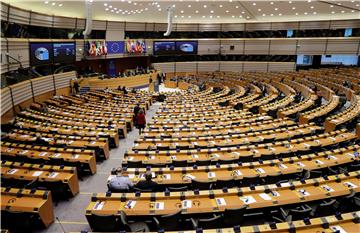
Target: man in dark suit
147 184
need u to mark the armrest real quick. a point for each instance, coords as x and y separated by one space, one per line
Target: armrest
283 213
194 223
156 221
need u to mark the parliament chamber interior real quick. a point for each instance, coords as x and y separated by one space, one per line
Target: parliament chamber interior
180 116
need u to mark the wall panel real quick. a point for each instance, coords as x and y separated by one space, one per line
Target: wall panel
233 27
43 84
282 47
19 49
256 46
281 66
314 25
255 66
5 100
42 20
168 67
63 79
185 66
99 25
209 27
208 66
64 22
208 47
231 66
21 92
342 46
4 11
338 24
257 26
19 16
311 46
182 27
115 26
238 46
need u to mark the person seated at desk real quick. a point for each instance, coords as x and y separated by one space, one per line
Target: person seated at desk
40 140
120 182
147 184
124 90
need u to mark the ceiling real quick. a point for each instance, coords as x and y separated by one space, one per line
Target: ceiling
199 11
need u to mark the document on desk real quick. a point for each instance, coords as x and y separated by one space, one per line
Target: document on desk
220 201
247 199
53 174
186 204
159 205
75 156
99 205
167 176
211 175
265 196
37 173
56 155
215 156
42 153
130 204
195 156
303 192
300 164
337 229
260 170
12 171
350 185
189 177
173 157
23 152
237 173
327 188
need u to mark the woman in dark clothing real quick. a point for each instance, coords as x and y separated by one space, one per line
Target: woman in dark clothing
141 121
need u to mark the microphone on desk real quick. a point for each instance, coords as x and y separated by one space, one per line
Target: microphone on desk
61 225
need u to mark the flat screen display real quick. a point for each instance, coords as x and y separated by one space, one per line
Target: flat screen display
164 47
115 47
64 52
348 32
96 48
135 46
304 60
289 33
346 60
41 53
186 47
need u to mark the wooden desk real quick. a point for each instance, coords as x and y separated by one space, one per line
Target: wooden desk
30 172
207 201
14 150
24 200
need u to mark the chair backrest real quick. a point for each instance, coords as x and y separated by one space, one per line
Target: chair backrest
178 189
325 208
200 185
210 223
170 222
179 163
105 222
299 214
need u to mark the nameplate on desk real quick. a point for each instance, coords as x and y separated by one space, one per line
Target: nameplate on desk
130 204
23 152
37 173
92 142
282 166
70 142
173 157
130 158
56 155
99 205
167 176
12 171
75 156
195 156
186 204
9 149
237 173
159 205
247 199
319 162
131 176
220 201
215 156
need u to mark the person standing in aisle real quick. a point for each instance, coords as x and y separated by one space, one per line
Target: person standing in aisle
136 111
141 121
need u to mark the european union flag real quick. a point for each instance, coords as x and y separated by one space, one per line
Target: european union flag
115 47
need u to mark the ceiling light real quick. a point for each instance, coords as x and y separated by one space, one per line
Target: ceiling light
243 12
182 16
60 5
203 16
110 6
305 13
293 8
296 13
342 11
106 9
157 6
271 14
181 12
314 13
205 6
272 3
259 9
135 3
280 14
263 14
115 8
117 12
357 5
312 7
146 8
230 0
240 16
331 5
112 10
248 17
220 6
352 11
332 12
53 3
189 16
276 9
290 2
233 16
105 4
211 16
309 0
189 5
175 16
46 2
129 1
339 3
196 11
236 7
174 5
159 9
218 16
254 3
211 12
227 11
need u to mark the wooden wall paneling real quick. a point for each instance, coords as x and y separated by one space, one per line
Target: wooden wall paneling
342 46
